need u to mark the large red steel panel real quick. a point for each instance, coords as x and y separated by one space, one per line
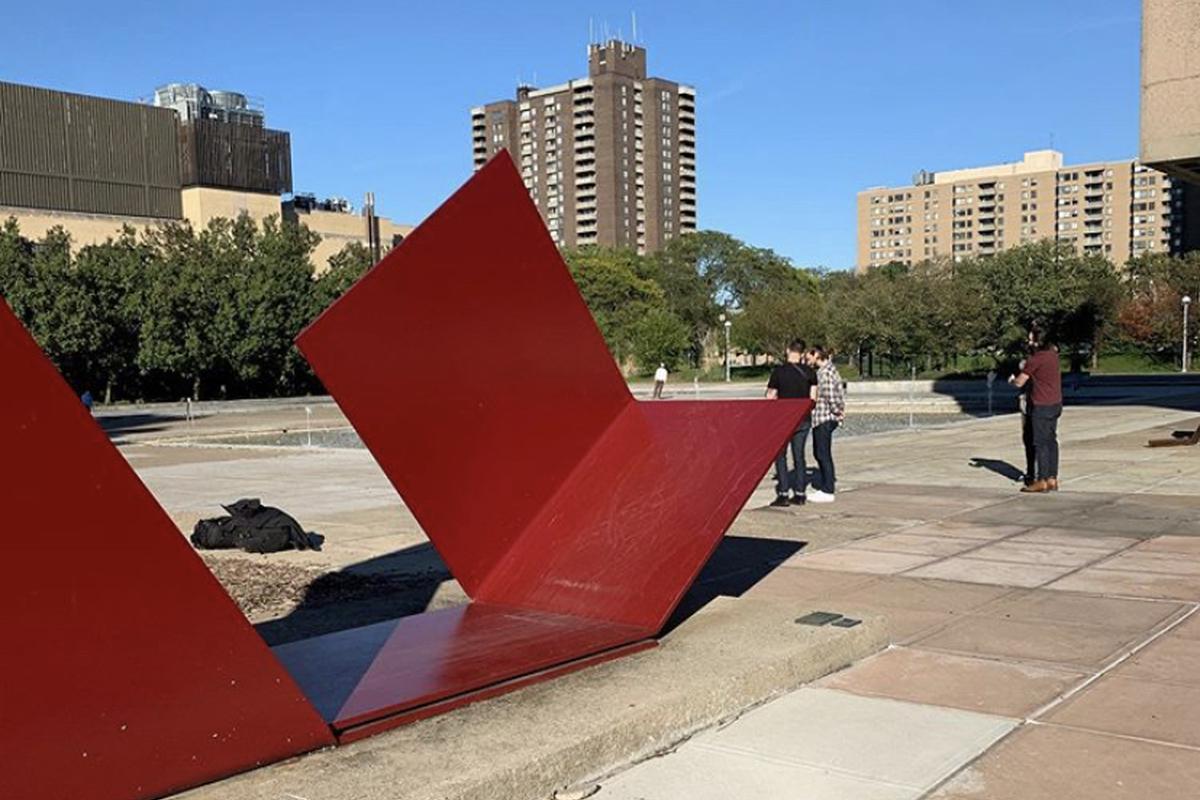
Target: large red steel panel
128 673
469 364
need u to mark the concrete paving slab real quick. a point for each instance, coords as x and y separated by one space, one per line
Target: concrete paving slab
843 559
1171 659
1055 555
1179 545
1000 573
968 530
731 655
1050 763
1043 605
1131 584
1164 712
798 584
874 738
941 679
922 594
1188 629
1136 560
701 773
916 544
1085 647
1074 537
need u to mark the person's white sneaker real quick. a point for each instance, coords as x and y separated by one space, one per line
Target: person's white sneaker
817 496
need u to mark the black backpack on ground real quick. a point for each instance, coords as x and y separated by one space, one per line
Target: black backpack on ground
254 528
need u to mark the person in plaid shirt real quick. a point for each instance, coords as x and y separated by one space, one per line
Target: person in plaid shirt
829 412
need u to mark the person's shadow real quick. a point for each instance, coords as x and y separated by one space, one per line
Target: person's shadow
1002 468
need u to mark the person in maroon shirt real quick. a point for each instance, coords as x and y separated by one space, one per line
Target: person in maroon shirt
1046 400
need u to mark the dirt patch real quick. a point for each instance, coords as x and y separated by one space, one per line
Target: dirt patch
263 589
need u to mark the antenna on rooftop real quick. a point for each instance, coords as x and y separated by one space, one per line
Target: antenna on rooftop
591 32
633 14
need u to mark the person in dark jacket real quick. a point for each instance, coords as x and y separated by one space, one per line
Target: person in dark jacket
1046 403
792 380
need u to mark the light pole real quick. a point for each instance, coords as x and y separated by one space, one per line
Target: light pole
728 362
1187 301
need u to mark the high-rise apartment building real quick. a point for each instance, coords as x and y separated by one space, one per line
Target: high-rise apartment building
1117 209
609 159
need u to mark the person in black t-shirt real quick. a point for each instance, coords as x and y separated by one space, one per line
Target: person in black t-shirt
793 380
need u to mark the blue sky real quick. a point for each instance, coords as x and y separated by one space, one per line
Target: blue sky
800 104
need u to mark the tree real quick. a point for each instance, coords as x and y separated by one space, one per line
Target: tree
617 289
108 283
658 336
346 266
769 321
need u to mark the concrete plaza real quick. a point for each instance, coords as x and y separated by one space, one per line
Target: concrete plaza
1033 646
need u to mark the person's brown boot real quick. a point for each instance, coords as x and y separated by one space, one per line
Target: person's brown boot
1052 484
1037 487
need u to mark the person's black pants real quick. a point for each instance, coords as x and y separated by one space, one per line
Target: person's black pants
1045 439
826 478
795 479
1030 454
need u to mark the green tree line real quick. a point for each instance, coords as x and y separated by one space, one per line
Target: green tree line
175 311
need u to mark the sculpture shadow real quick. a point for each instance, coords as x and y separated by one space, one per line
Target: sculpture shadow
1002 468
408 581
738 563
390 586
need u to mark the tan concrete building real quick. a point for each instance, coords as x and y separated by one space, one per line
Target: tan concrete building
1170 119
1117 209
94 166
609 159
339 228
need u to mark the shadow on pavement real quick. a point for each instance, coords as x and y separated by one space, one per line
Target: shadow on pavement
406 582
398 584
738 563
117 425
1002 468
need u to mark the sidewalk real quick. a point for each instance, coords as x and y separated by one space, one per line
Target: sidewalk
1042 646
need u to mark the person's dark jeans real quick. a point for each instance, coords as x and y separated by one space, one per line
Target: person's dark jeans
1030 453
1045 439
796 479
826 479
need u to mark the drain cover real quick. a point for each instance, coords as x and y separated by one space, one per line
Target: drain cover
818 618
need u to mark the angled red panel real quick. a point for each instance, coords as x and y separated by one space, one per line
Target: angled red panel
470 366
128 671
633 524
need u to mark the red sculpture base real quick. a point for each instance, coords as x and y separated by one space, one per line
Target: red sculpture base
379 676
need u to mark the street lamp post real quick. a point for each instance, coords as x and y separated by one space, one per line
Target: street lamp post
728 361
1187 301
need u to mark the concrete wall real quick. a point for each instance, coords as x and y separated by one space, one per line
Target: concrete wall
84 229
202 204
1170 119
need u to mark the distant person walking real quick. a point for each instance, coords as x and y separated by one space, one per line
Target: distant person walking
660 381
792 380
1043 370
828 414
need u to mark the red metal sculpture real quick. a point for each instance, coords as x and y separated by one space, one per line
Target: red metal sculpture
574 517
129 672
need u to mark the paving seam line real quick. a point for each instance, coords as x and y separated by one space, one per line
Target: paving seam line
1151 639
1031 719
1112 735
1187 611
